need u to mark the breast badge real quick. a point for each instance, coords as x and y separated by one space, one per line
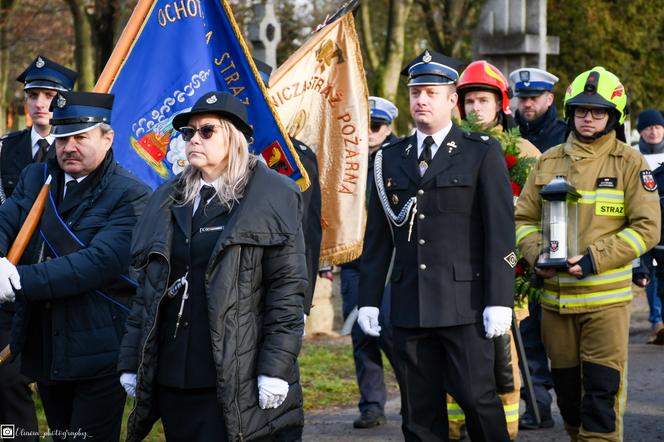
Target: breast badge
394 198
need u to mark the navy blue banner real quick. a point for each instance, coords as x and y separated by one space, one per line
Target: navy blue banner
184 49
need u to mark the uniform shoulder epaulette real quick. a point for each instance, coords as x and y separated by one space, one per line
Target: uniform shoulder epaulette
11 135
477 136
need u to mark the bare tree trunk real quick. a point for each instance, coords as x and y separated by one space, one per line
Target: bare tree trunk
394 48
84 53
6 7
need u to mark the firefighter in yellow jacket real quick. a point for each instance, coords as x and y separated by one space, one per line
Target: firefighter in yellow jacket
586 310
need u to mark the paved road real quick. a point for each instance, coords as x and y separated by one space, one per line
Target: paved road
644 417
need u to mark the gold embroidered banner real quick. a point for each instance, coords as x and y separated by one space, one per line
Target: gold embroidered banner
321 96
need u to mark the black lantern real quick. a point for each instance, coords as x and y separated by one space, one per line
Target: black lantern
559 223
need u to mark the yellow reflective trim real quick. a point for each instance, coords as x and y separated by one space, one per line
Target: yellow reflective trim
606 195
634 240
609 209
587 299
610 276
511 412
453 406
525 230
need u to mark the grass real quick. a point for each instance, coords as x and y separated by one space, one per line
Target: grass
327 374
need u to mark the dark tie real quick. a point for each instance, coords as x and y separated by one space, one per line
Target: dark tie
425 156
70 189
41 152
206 193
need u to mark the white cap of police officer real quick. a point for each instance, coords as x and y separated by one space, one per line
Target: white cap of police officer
382 112
533 89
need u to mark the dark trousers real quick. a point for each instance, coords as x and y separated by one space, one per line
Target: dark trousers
191 415
367 349
538 362
16 405
456 360
93 407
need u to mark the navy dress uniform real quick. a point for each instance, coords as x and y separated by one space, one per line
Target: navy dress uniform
71 310
17 150
26 146
443 202
367 349
547 130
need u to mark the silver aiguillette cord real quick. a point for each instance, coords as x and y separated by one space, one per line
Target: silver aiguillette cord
185 296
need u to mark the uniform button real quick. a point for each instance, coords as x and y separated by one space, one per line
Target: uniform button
185 324
69 223
56 371
423 266
186 241
421 216
421 241
455 180
187 267
477 275
420 192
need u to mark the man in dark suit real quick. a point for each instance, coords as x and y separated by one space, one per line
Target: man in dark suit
443 201
42 80
70 289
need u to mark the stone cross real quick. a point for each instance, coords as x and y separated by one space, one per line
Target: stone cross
265 32
512 34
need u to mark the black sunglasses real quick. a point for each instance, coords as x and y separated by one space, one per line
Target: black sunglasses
205 131
375 127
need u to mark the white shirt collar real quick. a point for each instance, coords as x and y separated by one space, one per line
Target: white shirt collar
438 139
34 137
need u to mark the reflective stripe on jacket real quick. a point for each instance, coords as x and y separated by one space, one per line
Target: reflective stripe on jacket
618 219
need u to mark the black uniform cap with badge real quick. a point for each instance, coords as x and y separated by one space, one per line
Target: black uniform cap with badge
78 112
219 103
47 74
431 68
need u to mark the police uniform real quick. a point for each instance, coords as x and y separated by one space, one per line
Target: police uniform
367 349
547 130
585 321
452 232
17 150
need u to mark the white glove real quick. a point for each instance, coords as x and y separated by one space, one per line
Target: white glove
367 318
128 381
497 320
9 281
272 392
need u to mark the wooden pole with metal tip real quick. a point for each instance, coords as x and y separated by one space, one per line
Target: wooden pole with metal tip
23 239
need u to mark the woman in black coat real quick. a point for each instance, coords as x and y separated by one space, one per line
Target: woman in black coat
215 330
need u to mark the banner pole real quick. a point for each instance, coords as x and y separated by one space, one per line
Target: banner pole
124 44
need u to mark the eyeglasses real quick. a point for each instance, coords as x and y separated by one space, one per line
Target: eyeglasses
597 112
205 131
375 127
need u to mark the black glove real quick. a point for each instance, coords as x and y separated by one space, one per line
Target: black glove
586 264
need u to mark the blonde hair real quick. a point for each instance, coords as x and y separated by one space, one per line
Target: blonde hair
234 178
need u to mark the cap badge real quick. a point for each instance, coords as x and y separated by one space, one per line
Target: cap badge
484 138
62 102
40 63
524 76
451 146
211 100
427 57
